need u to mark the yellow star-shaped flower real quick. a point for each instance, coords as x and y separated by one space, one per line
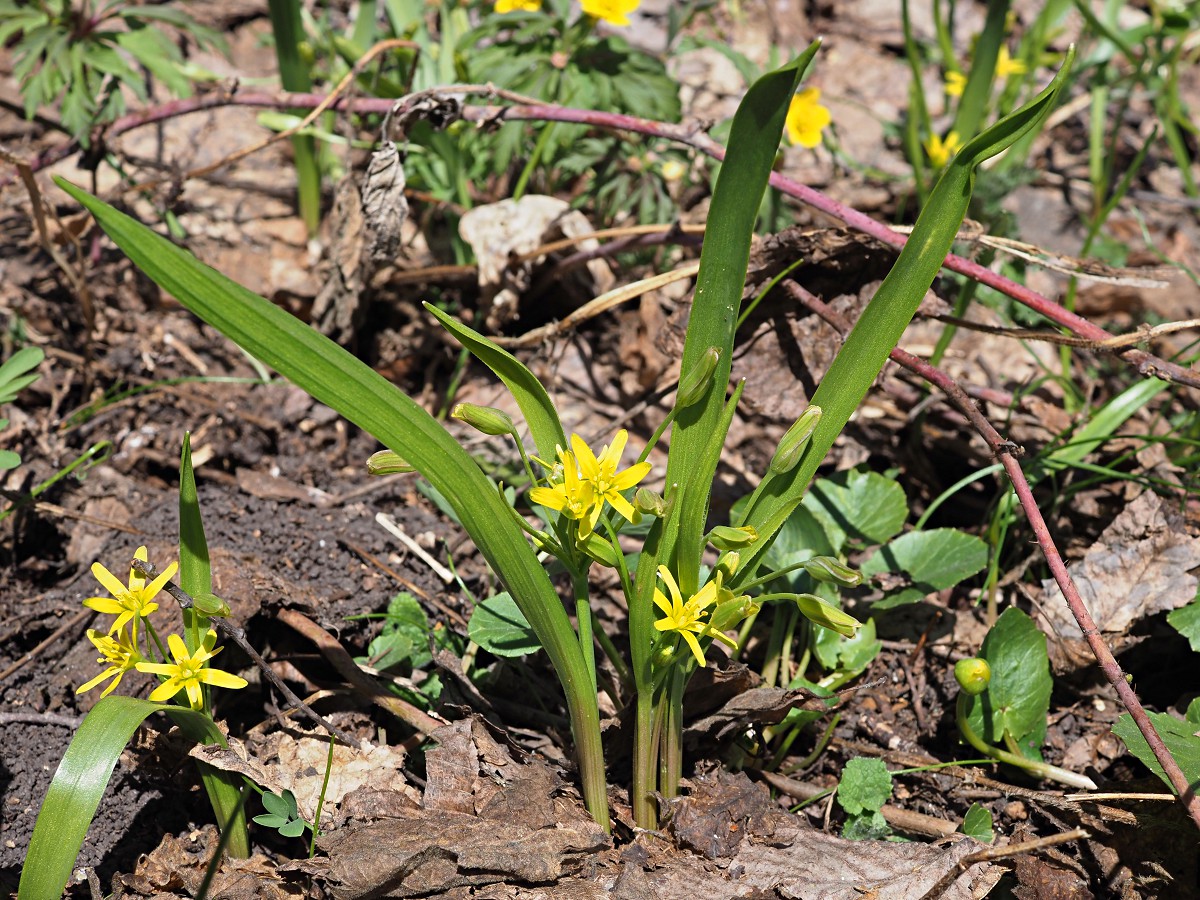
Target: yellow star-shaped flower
687 618
587 481
131 602
507 6
807 118
940 151
189 671
120 653
614 12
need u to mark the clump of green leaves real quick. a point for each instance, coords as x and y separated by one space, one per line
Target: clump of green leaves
18 372
84 57
282 814
865 787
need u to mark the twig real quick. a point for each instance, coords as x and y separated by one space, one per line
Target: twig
36 718
995 853
1007 452
390 525
77 620
238 636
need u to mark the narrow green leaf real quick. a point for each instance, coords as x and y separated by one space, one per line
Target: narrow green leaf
343 382
79 783
195 570
883 321
540 414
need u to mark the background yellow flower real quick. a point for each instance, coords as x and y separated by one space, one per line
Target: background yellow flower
614 12
807 118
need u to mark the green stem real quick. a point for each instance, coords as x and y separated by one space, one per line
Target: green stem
583 618
671 763
645 762
1039 769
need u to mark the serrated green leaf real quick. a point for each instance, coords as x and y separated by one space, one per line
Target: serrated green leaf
1018 696
498 626
934 560
977 823
1180 738
865 785
863 505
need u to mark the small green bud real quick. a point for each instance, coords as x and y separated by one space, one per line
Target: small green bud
209 604
973 675
648 502
818 611
731 611
792 444
663 656
727 537
727 565
826 568
386 462
694 382
484 418
601 550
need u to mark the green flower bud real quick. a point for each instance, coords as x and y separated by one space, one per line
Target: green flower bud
792 444
818 611
663 656
694 382
600 550
728 564
385 462
731 611
727 537
648 502
826 568
484 418
973 675
210 605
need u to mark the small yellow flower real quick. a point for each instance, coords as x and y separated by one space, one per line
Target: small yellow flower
807 118
188 671
940 151
131 602
688 618
1006 65
601 472
507 6
614 12
955 83
120 653
673 170
569 494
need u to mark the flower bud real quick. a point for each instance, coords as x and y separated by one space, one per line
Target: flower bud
818 611
792 444
727 537
210 605
648 502
731 611
695 381
386 462
601 550
973 675
484 418
826 568
727 565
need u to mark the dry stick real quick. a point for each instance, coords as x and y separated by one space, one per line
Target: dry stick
1007 452
238 636
345 665
993 853
62 629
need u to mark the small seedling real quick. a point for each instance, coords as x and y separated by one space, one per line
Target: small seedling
282 814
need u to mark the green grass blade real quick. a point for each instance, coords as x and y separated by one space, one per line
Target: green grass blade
1104 423
753 143
540 414
346 384
889 312
195 571
77 786
294 75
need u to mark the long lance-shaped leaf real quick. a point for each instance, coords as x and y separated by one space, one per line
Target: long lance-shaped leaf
348 385
753 143
79 783
540 414
887 315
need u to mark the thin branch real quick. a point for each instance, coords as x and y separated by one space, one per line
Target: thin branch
238 636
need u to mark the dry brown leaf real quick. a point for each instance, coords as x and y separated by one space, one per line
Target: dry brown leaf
1140 565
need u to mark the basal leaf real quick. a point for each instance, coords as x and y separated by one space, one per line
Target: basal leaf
498 627
934 560
1018 697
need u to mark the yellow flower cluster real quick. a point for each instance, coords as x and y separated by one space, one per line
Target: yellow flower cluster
582 483
807 118
687 618
132 603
